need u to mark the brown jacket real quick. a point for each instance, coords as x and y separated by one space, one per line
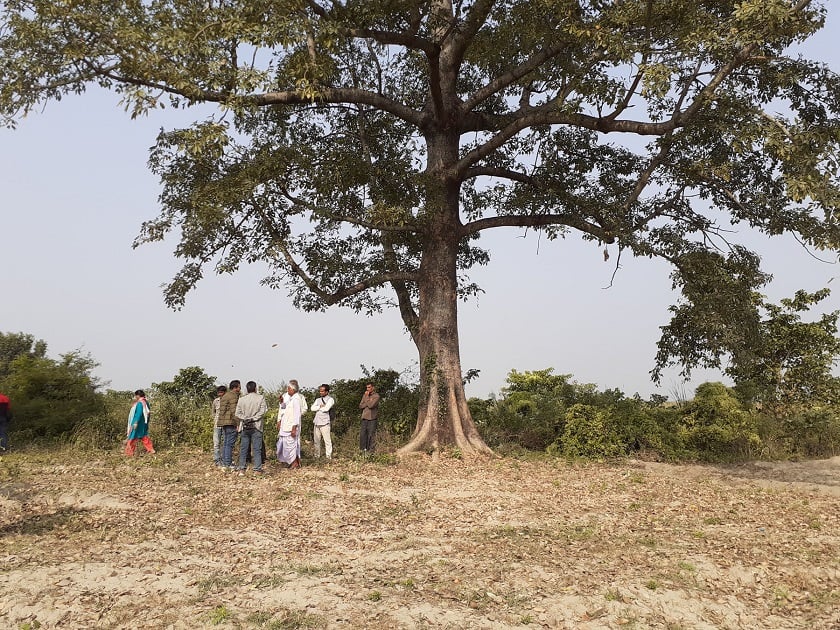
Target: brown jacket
227 409
370 406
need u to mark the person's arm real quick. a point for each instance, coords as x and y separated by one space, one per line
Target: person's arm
295 403
330 401
130 420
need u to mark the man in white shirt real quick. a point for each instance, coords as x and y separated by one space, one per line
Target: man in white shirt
323 419
292 406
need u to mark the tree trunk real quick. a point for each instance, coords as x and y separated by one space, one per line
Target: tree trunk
444 419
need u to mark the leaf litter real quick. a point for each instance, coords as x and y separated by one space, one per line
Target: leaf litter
169 541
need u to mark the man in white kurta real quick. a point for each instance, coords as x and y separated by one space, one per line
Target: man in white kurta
292 406
322 406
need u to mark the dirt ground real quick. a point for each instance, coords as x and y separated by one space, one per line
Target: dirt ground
168 541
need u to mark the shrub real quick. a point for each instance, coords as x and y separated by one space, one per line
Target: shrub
717 428
589 433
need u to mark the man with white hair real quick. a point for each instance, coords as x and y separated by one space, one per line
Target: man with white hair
292 406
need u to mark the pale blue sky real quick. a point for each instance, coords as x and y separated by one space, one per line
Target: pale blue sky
74 189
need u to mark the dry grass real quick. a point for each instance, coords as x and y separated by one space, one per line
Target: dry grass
169 541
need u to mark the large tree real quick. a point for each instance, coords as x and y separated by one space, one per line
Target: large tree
359 148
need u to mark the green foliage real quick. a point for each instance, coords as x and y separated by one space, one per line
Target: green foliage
530 412
589 433
539 410
107 429
717 427
48 396
192 383
787 368
397 407
14 345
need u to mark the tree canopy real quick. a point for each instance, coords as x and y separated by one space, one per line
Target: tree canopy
361 147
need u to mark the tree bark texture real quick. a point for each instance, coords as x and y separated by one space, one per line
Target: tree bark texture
444 419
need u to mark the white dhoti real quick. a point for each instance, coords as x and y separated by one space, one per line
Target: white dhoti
288 448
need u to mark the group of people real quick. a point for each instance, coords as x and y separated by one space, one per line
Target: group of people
235 415
243 416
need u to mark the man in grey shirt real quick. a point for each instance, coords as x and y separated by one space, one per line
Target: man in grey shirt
250 411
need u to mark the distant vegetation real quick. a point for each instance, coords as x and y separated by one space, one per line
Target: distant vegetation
59 400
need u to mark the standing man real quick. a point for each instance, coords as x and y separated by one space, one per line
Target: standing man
5 417
138 424
292 405
227 421
370 412
221 390
250 411
324 412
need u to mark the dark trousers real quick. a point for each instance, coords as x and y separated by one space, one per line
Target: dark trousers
366 435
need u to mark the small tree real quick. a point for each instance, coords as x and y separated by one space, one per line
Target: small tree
191 383
787 368
14 345
717 427
51 396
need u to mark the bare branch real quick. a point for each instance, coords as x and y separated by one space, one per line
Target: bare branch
338 95
502 173
538 220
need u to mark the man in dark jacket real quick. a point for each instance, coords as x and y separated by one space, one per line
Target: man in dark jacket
227 420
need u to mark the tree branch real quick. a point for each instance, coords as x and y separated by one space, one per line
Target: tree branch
344 218
333 298
475 20
510 77
338 95
407 311
538 220
408 39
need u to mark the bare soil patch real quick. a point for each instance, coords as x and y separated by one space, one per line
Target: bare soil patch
168 541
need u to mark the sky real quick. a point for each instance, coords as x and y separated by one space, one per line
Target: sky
75 188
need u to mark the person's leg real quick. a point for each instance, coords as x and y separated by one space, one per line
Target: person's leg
316 442
363 436
147 442
371 434
130 445
244 448
4 435
217 445
256 444
325 432
227 449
